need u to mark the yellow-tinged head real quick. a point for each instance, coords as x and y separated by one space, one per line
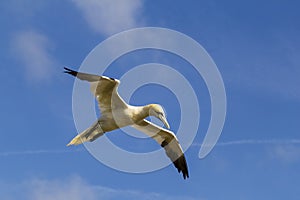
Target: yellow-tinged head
157 111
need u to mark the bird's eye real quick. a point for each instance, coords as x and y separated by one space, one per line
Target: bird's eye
160 113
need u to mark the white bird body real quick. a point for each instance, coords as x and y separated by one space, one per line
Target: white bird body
116 113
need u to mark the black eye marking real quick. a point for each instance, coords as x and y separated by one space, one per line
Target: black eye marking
160 113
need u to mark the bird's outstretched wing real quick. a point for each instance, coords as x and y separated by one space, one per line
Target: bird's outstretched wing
168 141
104 89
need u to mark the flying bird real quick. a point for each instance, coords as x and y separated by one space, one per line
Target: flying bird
116 113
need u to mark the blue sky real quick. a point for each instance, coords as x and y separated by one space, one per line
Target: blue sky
255 45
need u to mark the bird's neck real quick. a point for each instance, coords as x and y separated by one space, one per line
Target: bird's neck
142 111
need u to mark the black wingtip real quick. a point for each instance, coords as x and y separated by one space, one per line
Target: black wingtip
182 167
180 163
185 174
70 71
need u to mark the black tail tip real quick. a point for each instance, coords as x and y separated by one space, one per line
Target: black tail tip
70 71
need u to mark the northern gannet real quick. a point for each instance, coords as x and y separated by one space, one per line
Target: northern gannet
116 113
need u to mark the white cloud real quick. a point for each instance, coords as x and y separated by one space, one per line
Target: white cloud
109 17
75 188
286 153
32 49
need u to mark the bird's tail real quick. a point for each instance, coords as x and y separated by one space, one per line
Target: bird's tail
89 134
75 141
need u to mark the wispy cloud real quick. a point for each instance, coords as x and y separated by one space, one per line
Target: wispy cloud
76 188
286 153
109 17
274 142
33 50
255 142
36 152
272 67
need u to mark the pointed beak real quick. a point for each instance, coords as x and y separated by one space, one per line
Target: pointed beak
164 120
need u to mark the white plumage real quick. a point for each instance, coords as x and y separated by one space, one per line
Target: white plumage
116 113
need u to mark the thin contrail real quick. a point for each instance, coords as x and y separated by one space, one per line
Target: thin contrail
255 142
228 143
34 152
